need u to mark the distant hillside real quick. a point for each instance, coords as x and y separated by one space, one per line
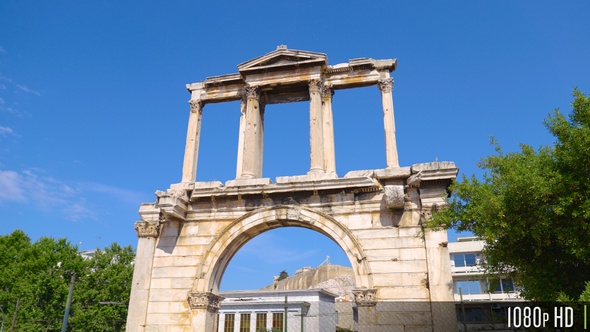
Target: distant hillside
333 278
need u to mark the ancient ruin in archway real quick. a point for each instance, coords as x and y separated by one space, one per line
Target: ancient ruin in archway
189 235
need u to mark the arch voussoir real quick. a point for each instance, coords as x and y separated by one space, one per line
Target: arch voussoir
237 233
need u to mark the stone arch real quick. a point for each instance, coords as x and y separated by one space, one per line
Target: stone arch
235 235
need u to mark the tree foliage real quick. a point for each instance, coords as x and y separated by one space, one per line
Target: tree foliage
103 291
37 276
283 275
533 208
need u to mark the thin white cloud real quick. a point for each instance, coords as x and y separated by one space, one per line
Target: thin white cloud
12 187
2 50
26 89
9 102
78 211
5 79
21 87
32 187
7 131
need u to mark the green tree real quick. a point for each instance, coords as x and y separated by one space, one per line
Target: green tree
533 209
101 296
283 275
37 276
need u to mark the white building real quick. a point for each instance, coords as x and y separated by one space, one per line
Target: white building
270 310
482 301
469 277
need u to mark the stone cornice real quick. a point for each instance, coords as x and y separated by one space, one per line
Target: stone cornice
172 204
298 66
215 188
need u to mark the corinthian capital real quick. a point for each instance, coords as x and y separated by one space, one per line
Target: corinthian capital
147 229
365 297
386 84
196 105
252 91
204 300
327 91
315 86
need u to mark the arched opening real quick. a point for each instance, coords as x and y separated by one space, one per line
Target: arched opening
242 230
303 293
295 250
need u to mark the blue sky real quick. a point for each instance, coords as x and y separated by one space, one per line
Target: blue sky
93 105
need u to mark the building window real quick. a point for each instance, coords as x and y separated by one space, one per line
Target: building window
228 326
468 287
277 321
463 260
245 323
470 315
261 321
503 286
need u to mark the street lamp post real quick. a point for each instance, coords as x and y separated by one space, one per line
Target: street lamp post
67 312
2 326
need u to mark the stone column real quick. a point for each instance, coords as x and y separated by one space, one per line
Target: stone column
386 86
191 151
260 156
316 136
142 274
251 164
329 150
241 136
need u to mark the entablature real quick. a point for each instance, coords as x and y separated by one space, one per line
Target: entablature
283 76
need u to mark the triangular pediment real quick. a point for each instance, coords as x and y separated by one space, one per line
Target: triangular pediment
283 57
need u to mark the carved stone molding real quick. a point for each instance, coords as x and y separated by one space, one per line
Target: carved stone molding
204 300
327 91
428 211
172 204
252 92
196 105
147 229
315 86
365 297
385 84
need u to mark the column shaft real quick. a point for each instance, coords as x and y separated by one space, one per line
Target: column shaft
260 139
329 149
191 151
316 136
251 165
241 137
386 86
